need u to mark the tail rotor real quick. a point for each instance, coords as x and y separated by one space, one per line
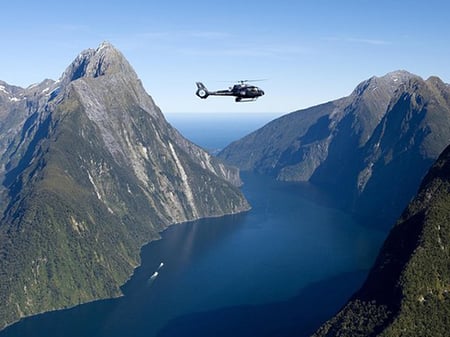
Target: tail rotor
202 92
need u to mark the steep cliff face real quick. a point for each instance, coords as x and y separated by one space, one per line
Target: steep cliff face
90 172
407 290
371 149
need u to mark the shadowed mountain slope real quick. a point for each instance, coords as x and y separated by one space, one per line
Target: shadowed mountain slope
370 149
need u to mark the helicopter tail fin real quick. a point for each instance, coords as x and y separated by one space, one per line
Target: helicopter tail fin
202 92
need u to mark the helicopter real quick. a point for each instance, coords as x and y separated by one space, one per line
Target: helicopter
241 90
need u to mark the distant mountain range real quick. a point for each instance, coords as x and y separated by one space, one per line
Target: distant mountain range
91 171
370 149
407 292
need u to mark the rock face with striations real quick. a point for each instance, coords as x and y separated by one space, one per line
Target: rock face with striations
407 292
90 172
371 148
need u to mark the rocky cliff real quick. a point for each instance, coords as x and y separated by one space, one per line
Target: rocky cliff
90 172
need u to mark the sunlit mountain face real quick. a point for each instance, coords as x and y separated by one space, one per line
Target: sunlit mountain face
90 172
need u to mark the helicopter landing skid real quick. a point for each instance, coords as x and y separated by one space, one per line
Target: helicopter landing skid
243 100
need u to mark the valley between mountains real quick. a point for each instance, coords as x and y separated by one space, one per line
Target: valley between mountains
91 171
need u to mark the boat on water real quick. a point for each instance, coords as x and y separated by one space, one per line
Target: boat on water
156 273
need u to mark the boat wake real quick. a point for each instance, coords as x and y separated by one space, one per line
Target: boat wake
155 274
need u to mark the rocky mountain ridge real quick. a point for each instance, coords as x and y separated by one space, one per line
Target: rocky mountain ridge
91 171
370 149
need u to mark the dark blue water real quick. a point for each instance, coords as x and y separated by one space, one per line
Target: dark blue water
279 270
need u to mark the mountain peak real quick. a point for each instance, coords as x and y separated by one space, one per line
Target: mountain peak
399 75
105 60
106 45
389 82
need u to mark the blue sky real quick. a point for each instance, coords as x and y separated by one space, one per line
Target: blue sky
309 52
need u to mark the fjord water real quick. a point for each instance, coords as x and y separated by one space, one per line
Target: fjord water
278 270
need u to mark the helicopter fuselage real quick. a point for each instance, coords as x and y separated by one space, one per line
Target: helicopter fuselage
241 91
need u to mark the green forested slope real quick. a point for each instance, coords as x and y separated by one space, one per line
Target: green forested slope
407 291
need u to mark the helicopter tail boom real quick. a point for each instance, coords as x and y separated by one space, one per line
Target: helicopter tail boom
202 92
